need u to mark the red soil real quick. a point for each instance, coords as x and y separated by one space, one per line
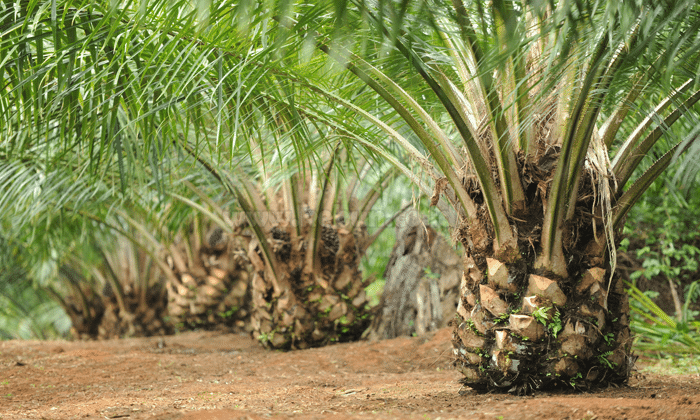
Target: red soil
207 375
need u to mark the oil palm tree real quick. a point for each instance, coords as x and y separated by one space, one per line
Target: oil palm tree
307 231
136 87
114 290
527 122
532 119
207 276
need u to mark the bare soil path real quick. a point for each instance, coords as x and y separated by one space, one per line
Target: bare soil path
208 375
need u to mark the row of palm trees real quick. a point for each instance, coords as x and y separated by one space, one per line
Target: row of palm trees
533 126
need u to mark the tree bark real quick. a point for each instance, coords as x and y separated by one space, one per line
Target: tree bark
422 280
521 328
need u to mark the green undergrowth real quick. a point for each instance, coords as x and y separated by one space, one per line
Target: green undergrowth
661 234
669 364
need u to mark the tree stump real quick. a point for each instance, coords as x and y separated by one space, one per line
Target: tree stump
422 282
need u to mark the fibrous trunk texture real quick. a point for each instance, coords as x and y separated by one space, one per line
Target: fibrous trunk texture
422 282
519 329
100 314
309 305
208 286
85 310
144 316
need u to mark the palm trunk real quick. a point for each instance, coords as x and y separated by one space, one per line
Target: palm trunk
97 311
521 329
138 318
208 287
309 305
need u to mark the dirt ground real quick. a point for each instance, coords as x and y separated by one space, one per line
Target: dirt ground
208 375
